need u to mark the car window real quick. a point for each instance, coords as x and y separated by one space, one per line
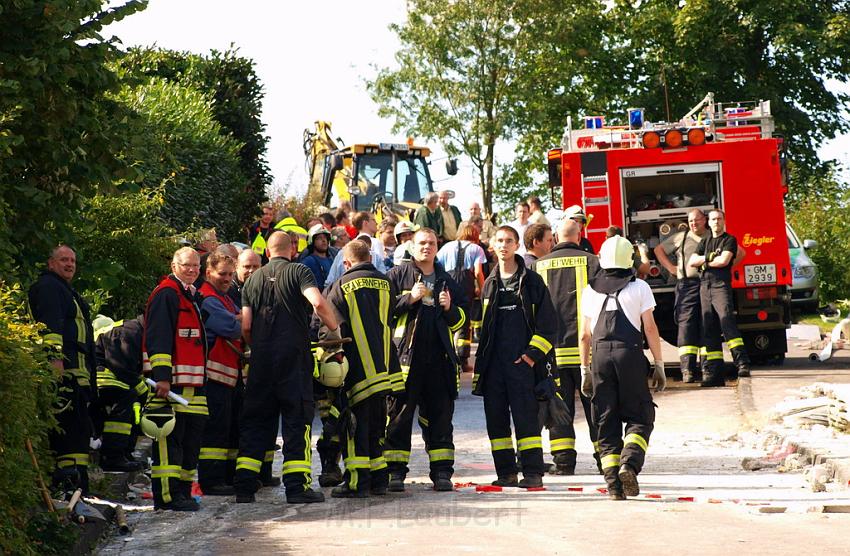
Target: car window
793 242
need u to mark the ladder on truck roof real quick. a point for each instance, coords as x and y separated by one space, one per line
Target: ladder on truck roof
596 196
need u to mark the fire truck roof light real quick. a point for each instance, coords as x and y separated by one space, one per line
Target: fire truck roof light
651 140
673 138
696 136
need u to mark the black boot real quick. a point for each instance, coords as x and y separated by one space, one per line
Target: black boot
217 490
598 462
308 496
565 463
443 482
396 482
343 491
628 478
509 480
615 487
531 481
331 474
119 464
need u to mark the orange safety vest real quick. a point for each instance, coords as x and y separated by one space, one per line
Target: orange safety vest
189 357
223 360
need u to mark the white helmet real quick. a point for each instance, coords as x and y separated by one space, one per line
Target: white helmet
158 423
317 229
403 227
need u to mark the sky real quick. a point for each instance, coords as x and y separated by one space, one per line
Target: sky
313 63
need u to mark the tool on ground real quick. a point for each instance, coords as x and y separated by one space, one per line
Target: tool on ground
72 504
121 521
41 486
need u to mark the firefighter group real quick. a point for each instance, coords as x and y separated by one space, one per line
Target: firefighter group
371 326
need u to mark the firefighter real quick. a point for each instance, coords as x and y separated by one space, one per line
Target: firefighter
686 311
429 309
576 213
565 271
225 383
175 353
363 297
715 255
65 314
277 303
121 390
516 337
328 444
614 305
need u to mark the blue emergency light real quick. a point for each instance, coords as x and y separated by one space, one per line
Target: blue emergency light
635 118
594 122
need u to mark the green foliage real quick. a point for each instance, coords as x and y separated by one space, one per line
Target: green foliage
231 82
823 218
27 394
184 152
57 128
123 247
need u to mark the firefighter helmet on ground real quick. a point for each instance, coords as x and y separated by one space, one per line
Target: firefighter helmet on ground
158 423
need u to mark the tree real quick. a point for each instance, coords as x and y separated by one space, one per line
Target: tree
58 129
472 73
236 94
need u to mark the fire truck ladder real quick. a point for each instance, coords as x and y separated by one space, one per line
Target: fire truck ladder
596 192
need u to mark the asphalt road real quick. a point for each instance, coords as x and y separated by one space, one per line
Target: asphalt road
695 498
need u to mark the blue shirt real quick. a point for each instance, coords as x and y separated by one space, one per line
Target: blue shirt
447 255
320 267
219 321
337 269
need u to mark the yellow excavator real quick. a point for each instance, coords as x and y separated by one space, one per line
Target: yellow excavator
371 176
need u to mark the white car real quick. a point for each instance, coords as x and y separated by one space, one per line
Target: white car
804 286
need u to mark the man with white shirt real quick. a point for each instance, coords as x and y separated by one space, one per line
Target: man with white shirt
614 304
367 227
521 223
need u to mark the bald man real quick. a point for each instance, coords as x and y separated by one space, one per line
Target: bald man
277 303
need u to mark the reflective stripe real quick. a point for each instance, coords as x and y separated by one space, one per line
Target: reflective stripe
250 464
423 421
213 453
484 304
400 326
399 456
688 350
165 472
557 444
456 326
268 456
497 444
107 379
540 343
357 462
633 438
378 463
443 454
735 343
141 387
70 460
188 474
529 443
377 383
714 355
296 466
385 312
54 340
160 360
222 373
596 446
117 427
258 246
611 460
172 471
359 333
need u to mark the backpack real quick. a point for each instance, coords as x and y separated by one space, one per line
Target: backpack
464 277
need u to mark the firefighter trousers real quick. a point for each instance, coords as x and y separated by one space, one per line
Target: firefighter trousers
328 444
267 400
120 426
562 438
436 409
220 443
70 440
509 393
175 460
365 466
621 397
687 313
463 337
718 318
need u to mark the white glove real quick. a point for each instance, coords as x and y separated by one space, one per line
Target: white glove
659 379
586 382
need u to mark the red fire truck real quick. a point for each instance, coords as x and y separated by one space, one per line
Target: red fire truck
644 177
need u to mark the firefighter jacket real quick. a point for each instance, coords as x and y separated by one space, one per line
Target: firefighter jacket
538 312
224 360
65 313
118 355
407 315
364 298
174 342
565 271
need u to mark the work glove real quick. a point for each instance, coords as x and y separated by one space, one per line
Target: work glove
586 382
659 379
325 334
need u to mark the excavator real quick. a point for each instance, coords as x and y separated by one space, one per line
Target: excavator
387 178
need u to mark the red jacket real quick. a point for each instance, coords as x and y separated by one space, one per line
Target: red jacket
174 341
223 360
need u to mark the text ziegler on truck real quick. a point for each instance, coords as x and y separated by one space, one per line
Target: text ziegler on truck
645 177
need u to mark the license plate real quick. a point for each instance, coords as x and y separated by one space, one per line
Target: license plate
755 274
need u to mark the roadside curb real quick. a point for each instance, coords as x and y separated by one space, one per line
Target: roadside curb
838 465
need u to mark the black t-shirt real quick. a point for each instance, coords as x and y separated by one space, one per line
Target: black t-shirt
290 280
717 245
510 327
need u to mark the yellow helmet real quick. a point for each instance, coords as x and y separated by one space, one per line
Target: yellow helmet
332 371
158 423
